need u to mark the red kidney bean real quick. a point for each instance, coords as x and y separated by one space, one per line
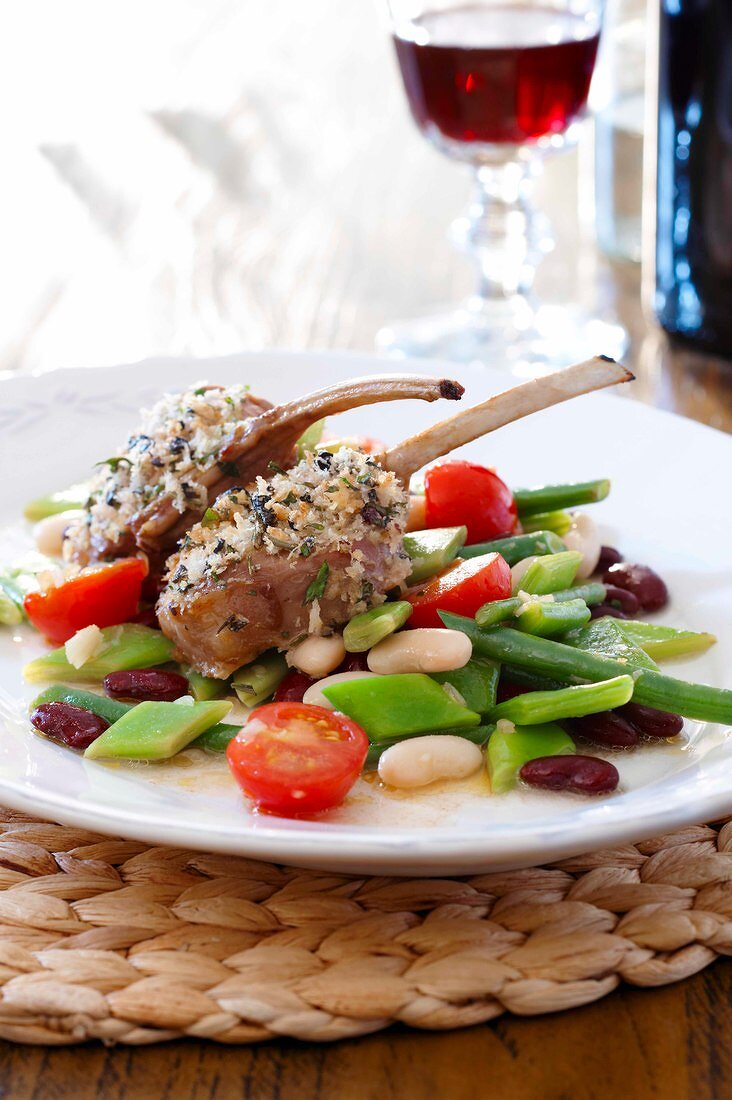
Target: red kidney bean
601 609
608 729
293 687
354 662
651 722
608 556
641 580
70 725
622 598
507 690
583 774
146 684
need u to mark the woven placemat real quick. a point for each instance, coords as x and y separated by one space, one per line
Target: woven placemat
110 939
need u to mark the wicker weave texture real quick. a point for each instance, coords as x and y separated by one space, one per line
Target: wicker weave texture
109 939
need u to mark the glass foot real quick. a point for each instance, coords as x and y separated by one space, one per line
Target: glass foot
508 335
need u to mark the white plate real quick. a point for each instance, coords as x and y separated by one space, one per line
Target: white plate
667 508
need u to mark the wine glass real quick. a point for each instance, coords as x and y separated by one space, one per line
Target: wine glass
497 84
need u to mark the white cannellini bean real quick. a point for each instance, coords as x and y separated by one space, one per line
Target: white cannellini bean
584 537
314 694
317 657
427 649
48 532
422 760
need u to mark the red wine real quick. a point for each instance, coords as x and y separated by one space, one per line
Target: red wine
693 299
499 74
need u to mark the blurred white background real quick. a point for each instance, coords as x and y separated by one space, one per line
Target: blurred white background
206 176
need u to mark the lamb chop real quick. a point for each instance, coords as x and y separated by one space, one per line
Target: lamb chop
303 551
193 446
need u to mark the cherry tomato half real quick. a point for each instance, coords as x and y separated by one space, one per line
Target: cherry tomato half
459 493
102 595
462 588
293 759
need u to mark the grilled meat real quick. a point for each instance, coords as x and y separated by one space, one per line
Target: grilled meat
298 554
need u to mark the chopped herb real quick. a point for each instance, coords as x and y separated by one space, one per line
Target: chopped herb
277 469
211 518
200 391
234 623
347 482
375 514
230 469
114 462
229 400
316 588
364 479
306 546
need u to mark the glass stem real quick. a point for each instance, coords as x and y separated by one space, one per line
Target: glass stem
503 232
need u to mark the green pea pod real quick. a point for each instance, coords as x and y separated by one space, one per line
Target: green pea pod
130 645
432 551
394 706
476 682
156 731
509 750
663 642
606 637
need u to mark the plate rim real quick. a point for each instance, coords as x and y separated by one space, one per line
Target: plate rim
461 847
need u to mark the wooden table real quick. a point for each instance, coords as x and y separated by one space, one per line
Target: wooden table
232 175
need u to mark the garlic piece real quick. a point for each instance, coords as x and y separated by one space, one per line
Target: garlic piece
86 644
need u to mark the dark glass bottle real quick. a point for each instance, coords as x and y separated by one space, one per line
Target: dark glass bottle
693 258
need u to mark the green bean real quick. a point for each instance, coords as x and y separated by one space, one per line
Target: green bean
549 620
576 666
550 498
498 611
538 707
552 573
255 681
109 709
216 738
371 627
558 522
517 547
